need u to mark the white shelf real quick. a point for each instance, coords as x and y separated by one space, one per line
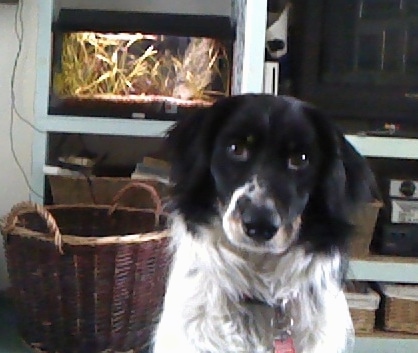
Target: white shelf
103 126
386 147
384 342
370 146
384 269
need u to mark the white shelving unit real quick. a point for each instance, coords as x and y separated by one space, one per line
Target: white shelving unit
383 268
104 126
385 147
247 77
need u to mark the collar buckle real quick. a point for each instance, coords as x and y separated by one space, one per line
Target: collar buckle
282 321
282 324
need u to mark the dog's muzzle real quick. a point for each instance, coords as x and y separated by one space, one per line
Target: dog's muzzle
260 221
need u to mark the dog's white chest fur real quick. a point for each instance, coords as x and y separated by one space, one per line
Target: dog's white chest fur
204 311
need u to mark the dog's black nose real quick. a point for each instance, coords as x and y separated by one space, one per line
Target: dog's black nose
258 221
260 231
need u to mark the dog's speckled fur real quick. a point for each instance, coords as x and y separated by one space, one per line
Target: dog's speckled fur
298 169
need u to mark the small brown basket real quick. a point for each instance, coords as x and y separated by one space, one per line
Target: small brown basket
363 303
400 308
364 220
86 278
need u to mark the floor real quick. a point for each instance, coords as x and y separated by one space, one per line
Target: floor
10 341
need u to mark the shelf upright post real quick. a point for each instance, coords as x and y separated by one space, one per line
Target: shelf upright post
43 64
251 21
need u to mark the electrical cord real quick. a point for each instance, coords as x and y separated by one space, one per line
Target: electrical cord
19 32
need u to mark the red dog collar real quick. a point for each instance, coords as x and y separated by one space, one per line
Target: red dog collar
282 327
284 346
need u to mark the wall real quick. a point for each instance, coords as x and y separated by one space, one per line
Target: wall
13 188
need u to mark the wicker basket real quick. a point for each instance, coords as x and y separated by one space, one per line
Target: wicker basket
363 305
401 308
86 278
70 190
364 220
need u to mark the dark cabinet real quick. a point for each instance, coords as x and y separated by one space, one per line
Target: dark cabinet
358 59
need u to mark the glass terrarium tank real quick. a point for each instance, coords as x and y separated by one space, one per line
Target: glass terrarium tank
131 74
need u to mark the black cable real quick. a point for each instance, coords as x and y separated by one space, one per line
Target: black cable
19 32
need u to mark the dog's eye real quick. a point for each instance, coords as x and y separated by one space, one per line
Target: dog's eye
239 151
297 161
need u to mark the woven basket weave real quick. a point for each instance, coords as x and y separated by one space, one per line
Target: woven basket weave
363 320
86 278
70 190
401 308
363 303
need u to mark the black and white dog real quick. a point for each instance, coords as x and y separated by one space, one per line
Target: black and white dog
263 191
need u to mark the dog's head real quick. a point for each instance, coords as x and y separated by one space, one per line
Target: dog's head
274 170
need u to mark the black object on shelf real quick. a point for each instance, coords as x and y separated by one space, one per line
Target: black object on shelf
399 240
357 59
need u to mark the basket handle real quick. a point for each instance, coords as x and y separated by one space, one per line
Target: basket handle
158 211
11 220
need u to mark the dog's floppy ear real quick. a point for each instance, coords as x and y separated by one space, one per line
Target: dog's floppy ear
346 180
186 148
190 144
